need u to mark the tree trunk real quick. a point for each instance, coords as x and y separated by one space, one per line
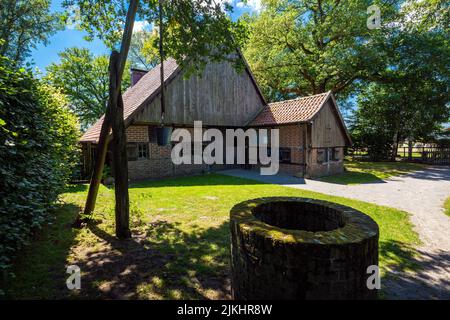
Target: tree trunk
161 55
120 172
114 117
395 147
410 148
96 177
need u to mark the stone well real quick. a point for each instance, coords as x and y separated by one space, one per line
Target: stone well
297 248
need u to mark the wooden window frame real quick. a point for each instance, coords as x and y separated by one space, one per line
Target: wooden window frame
141 148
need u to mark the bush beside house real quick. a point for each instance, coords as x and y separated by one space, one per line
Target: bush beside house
38 151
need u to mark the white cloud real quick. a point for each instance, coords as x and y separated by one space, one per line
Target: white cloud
253 5
141 25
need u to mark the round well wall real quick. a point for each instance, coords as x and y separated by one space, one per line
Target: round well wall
297 248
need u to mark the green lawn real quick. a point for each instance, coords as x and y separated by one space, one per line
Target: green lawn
358 172
447 206
180 245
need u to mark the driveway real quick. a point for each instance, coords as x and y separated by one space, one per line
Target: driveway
422 194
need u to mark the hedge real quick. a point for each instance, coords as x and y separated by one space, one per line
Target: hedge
38 150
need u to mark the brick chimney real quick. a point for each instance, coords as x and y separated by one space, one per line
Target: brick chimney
136 75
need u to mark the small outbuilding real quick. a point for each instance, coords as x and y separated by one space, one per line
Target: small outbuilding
312 134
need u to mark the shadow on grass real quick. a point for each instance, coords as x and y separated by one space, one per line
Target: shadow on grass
410 274
352 178
40 269
74 188
160 262
164 261
212 179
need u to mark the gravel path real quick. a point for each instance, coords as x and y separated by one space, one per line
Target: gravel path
422 194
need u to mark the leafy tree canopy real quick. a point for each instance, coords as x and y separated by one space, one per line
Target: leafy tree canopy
84 78
195 32
411 100
24 24
143 52
297 48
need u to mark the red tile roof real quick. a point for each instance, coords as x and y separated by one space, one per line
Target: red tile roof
290 111
135 96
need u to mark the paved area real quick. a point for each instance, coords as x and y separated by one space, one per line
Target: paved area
420 193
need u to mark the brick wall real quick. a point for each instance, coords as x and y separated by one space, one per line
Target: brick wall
159 163
316 169
137 134
292 136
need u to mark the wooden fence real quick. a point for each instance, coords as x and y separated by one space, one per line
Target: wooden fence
428 155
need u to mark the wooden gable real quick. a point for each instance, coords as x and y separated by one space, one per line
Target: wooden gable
219 97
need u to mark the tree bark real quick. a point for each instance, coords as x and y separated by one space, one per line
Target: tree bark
96 177
410 148
114 118
120 168
395 146
161 54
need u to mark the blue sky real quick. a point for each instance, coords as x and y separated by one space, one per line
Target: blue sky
42 56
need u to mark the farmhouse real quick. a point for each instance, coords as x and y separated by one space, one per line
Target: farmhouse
312 134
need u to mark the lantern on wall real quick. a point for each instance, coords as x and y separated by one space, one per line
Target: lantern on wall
163 135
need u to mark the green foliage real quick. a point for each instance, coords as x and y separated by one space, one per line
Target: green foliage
25 24
38 150
84 78
298 48
195 32
143 52
411 99
106 172
447 206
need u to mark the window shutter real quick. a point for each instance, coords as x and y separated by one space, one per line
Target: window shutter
132 151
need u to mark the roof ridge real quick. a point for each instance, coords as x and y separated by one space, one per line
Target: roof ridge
300 98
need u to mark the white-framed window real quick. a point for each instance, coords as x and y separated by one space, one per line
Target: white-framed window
143 151
137 151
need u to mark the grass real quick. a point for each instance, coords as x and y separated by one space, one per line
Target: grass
358 172
447 206
180 245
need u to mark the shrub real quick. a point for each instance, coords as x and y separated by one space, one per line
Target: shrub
38 150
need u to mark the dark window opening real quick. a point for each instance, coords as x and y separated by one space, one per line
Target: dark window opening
335 154
137 151
143 151
285 155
